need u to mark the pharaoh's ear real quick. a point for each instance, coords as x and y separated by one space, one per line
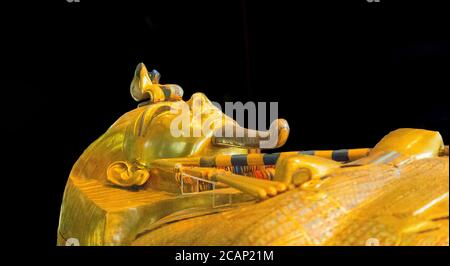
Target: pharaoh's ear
141 83
126 174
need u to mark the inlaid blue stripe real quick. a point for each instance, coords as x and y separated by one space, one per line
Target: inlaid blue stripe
270 159
239 159
340 155
306 152
167 93
237 170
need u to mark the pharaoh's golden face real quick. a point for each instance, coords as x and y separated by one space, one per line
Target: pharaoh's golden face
177 129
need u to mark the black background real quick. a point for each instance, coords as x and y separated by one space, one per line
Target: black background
344 75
